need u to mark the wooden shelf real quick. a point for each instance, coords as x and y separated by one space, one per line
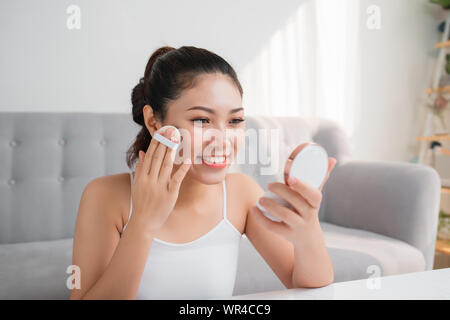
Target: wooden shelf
445 151
445 190
440 45
444 136
440 90
443 246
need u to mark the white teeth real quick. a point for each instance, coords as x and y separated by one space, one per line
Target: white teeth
214 159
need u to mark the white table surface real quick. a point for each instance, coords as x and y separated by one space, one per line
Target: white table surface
434 284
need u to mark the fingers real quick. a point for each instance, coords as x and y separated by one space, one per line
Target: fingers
158 156
149 155
178 176
167 166
312 195
278 211
291 196
140 163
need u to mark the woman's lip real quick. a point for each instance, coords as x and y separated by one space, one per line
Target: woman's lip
216 165
225 156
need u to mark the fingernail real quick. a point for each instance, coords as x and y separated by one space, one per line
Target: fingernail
292 181
169 133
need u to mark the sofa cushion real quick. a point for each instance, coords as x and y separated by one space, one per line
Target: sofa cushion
351 251
35 270
392 256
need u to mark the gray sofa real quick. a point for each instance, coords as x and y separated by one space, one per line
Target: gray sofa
374 214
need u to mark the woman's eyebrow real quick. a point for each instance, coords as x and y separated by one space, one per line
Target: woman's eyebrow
211 110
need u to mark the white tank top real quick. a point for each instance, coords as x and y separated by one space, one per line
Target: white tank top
204 268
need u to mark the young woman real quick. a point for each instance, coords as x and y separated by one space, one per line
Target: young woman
169 231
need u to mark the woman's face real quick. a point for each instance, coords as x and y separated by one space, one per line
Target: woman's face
210 118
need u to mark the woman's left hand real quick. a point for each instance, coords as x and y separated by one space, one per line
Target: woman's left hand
300 225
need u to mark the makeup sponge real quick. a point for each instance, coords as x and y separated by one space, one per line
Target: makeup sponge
169 143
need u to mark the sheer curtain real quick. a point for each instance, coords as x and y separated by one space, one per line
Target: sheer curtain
310 66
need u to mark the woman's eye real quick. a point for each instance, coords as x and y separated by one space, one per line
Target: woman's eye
200 119
234 121
237 121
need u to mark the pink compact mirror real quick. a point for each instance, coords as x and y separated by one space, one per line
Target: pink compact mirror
308 162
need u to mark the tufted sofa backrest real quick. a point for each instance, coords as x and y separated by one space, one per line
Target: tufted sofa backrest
46 160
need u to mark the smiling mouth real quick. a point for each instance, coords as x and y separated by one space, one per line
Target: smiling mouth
216 159
214 162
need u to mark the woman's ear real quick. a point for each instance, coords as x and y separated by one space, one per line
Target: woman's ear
150 121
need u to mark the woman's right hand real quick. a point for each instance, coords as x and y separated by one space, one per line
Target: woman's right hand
154 191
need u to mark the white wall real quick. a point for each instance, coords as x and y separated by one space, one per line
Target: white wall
46 67
396 65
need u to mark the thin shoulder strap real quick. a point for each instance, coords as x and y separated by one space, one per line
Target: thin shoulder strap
224 188
131 203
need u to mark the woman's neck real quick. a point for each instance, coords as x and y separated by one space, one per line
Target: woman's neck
193 195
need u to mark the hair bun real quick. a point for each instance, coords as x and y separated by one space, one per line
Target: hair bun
138 95
138 100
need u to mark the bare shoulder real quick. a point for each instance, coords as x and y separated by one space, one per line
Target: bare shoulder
249 191
97 227
109 196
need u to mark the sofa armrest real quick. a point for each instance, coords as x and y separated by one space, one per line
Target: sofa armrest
396 199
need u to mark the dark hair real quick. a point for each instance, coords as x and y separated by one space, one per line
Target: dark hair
169 71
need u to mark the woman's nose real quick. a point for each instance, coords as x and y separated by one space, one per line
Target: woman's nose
219 145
